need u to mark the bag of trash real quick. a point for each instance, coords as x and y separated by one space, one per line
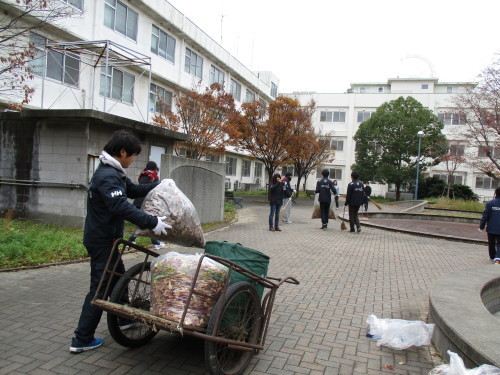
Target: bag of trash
172 276
457 367
168 200
398 333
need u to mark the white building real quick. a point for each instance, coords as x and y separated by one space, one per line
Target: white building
127 58
341 114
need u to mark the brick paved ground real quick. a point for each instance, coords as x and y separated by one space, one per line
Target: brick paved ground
317 327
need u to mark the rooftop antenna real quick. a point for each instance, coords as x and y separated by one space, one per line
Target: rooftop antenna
221 19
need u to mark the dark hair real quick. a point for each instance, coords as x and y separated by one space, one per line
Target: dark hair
151 166
335 182
275 177
355 175
325 172
367 182
120 140
288 174
497 192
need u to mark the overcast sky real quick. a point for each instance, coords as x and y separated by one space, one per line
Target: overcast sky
325 45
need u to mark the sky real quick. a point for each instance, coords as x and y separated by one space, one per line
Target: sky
325 45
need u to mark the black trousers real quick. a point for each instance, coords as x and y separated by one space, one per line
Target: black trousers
324 208
494 245
353 217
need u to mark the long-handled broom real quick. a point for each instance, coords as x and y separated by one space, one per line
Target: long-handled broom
342 224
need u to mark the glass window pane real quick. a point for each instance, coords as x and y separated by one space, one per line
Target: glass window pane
55 65
105 84
170 48
76 3
71 70
128 88
162 49
109 16
154 43
117 87
121 19
132 18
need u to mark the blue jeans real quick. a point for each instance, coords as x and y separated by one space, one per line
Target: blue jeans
275 212
91 315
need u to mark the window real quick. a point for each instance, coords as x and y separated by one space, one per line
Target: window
117 85
337 145
452 180
380 89
495 152
121 18
160 100
162 44
212 158
250 96
451 90
362 90
452 118
335 173
230 166
76 3
484 183
425 86
216 76
235 90
193 63
258 170
456 150
246 168
332 116
60 66
288 168
274 90
364 115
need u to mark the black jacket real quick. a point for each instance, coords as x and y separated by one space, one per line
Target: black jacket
355 194
491 217
325 188
276 194
108 207
287 188
368 190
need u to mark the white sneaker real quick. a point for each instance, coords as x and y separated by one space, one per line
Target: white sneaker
159 246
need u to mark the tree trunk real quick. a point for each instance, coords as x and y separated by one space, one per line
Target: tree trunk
398 193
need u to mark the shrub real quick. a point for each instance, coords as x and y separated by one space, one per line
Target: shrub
464 192
431 187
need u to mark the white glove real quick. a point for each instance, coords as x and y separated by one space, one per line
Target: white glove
479 229
161 227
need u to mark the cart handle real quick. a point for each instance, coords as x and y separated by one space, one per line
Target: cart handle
287 279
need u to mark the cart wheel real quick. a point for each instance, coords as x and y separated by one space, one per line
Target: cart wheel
133 334
240 320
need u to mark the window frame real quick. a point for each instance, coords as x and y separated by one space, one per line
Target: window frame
274 89
251 94
231 164
157 92
484 179
235 90
196 68
215 75
258 169
112 7
332 116
112 84
170 43
246 168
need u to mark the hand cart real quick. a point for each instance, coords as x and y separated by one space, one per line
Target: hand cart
237 327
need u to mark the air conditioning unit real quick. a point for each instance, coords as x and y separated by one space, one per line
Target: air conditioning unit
257 181
227 185
237 185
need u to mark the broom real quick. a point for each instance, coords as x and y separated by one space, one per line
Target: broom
342 224
375 203
284 208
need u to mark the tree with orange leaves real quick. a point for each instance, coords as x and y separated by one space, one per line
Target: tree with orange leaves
452 160
204 116
18 20
266 131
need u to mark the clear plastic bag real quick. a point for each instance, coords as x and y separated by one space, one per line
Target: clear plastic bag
172 275
168 200
457 367
399 334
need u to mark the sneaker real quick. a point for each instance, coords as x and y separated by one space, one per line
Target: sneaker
323 226
492 260
277 229
76 347
271 229
359 230
497 261
287 221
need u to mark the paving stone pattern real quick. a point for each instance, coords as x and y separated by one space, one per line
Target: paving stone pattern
318 327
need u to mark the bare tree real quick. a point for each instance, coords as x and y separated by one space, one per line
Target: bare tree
480 106
18 19
452 160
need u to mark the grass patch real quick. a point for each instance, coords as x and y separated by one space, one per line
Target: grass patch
456 204
24 243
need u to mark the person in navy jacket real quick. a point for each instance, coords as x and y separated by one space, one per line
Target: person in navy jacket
355 197
107 209
276 196
325 189
491 219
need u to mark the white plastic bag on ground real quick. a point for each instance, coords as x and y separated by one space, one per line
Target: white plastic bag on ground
399 334
457 367
168 200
